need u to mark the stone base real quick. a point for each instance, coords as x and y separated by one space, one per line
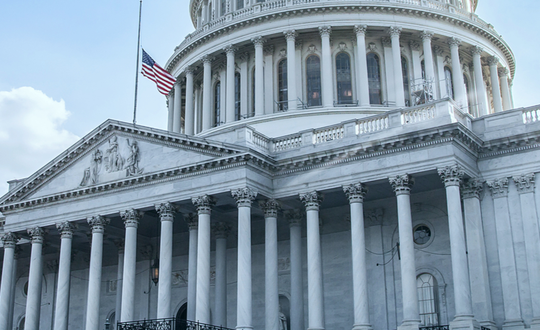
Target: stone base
489 324
365 327
409 325
513 325
464 323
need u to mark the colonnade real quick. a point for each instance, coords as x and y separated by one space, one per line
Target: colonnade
203 117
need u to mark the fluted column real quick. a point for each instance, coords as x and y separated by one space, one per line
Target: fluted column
507 261
269 79
460 95
170 106
481 97
119 274
525 185
505 89
207 93
202 303
259 78
33 299
401 185
270 209
13 286
229 109
10 241
221 231
495 86
394 32
61 312
297 280
361 61
189 122
291 35
244 317
177 107
355 193
311 201
131 219
166 215
429 65
97 223
326 67
192 222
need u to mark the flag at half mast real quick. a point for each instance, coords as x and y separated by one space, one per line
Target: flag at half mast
157 74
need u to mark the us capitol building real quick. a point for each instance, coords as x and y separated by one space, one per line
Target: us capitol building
328 164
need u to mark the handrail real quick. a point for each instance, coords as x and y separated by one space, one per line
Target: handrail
166 324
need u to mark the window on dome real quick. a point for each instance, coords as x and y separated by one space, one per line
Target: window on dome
406 90
217 103
313 73
449 82
283 95
343 78
237 96
426 286
374 79
239 4
223 8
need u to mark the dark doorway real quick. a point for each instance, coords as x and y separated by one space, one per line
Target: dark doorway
181 317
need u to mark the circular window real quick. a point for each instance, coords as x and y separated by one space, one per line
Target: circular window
422 234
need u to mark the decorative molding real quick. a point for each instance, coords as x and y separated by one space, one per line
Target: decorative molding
311 200
294 216
10 240
207 59
374 217
312 49
325 31
66 229
439 51
221 229
244 196
290 34
192 221
371 47
498 188
270 207
426 35
269 50
258 41
472 188
203 203
454 42
415 45
360 29
243 57
402 184
97 223
36 234
524 183
492 60
503 72
386 42
283 53
131 217
230 49
342 46
451 175
166 211
120 244
394 31
477 50
355 192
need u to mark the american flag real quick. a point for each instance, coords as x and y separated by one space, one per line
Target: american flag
157 74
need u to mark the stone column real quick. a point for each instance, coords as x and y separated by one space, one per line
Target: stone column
131 219
460 94
311 201
35 276
429 65
505 89
97 223
481 97
61 313
244 105
269 79
401 185
416 65
221 231
361 61
166 215
271 294
355 193
495 86
229 109
326 67
202 302
297 279
510 289
525 187
439 55
394 32
207 93
290 35
10 241
476 251
192 222
119 273
189 120
389 72
259 78
170 106
244 197
13 285
464 319
177 121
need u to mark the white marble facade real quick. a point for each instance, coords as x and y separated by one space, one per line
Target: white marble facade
348 206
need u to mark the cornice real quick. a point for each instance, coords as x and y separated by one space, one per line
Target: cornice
317 8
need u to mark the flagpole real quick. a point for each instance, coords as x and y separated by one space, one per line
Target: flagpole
137 67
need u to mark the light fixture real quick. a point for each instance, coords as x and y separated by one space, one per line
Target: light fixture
155 271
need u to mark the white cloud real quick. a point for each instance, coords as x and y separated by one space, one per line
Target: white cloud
30 132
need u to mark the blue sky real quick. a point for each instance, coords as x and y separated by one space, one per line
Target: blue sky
77 60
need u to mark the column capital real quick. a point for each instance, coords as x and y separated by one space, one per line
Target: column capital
503 72
203 203
207 59
290 34
415 45
311 200
386 42
166 211
230 49
243 196
374 217
394 31
97 223
438 50
10 240
402 184
498 188
355 192
131 217
36 234
243 57
120 244
524 183
492 60
454 42
192 221
268 50
360 29
221 229
189 71
477 50
472 188
426 35
294 217
258 41
270 208
451 175
325 31
66 229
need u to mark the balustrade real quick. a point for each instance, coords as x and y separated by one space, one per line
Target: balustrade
531 115
328 134
371 125
167 324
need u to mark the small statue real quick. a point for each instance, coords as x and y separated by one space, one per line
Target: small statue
91 174
282 320
113 160
132 166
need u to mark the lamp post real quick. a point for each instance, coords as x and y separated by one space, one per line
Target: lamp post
155 271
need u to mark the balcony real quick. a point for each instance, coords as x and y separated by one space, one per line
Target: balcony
167 324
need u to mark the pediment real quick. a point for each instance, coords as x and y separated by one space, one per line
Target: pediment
113 152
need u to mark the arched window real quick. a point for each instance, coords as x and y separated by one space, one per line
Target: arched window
343 78
427 299
223 8
449 82
181 317
283 95
217 103
239 4
313 73
237 96
406 87
374 78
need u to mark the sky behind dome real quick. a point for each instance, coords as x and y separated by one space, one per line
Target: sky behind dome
67 66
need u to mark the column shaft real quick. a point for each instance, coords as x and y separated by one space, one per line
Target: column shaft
131 220
460 95
192 271
220 318
61 314
202 303
177 120
495 86
10 241
291 69
94 282
505 89
398 71
481 97
244 307
33 299
271 294
230 117
165 211
326 67
259 78
428 60
170 102
363 83
119 274
189 122
297 279
207 93
12 297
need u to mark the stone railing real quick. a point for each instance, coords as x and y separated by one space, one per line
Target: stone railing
373 124
531 115
167 324
287 142
328 134
260 140
417 115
